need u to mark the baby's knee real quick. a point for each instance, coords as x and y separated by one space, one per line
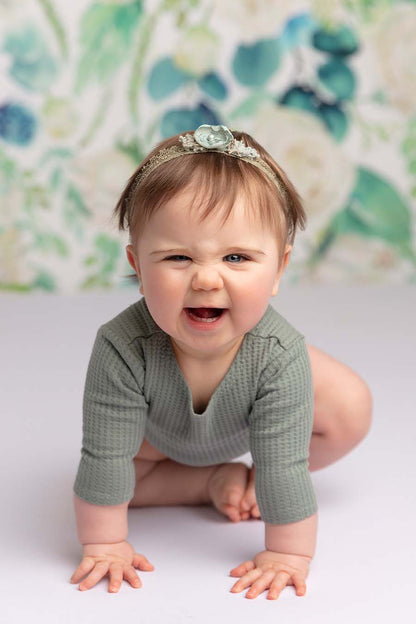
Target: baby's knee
357 410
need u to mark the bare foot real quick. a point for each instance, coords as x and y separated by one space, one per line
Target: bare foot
249 502
227 487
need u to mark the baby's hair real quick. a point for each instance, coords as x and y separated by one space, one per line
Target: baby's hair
218 180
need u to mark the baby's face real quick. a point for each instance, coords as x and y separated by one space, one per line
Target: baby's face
183 263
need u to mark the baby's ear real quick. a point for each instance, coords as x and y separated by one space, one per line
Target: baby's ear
133 260
131 257
283 265
134 263
286 257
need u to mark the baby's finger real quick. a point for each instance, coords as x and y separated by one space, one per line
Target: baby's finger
261 584
299 583
131 576
246 580
96 575
244 567
141 562
86 565
279 583
116 577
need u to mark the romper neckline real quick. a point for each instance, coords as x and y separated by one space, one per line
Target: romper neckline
185 386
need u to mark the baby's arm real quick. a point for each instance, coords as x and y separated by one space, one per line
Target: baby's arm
113 428
280 430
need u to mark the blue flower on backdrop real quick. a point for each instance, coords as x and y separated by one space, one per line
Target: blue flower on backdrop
17 124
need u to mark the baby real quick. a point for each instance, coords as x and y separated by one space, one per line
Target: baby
202 369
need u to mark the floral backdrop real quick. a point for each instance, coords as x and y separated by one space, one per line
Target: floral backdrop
88 87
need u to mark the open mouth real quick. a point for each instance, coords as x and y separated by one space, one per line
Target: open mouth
204 315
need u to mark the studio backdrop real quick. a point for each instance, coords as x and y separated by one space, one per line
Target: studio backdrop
88 87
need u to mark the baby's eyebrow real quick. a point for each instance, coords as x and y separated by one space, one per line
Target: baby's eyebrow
163 251
244 250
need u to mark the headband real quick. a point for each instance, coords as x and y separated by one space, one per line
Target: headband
208 138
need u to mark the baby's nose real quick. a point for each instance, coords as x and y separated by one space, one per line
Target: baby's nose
206 278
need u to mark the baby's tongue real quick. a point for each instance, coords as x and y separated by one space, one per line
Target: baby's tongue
205 312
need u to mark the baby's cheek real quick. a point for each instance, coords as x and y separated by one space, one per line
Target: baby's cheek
165 306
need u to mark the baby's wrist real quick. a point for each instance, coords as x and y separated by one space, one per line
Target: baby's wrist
100 524
103 543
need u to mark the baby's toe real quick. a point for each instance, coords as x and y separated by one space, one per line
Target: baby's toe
232 512
255 512
249 502
227 487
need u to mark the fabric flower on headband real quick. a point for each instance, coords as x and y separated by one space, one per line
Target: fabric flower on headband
216 138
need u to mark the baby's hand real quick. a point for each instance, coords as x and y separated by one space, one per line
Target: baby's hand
272 570
118 560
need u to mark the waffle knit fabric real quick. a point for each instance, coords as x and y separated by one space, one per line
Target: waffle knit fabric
135 389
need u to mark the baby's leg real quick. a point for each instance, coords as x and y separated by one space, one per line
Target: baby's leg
342 412
162 481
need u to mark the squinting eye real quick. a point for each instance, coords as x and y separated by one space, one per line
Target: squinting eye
177 258
236 258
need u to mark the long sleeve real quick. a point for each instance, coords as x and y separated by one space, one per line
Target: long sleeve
280 425
114 419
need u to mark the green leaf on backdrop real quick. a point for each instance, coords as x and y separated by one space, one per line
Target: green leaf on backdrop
33 66
304 98
102 262
44 281
249 106
340 41
74 197
166 78
106 37
133 149
335 119
50 243
301 97
408 146
375 209
74 212
108 251
213 86
15 287
56 25
184 119
253 65
56 178
338 78
8 171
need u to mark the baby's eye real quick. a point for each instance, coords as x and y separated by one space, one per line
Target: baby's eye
236 258
178 258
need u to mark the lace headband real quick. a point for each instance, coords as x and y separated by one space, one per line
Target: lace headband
208 138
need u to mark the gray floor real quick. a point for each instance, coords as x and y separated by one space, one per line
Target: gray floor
363 570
